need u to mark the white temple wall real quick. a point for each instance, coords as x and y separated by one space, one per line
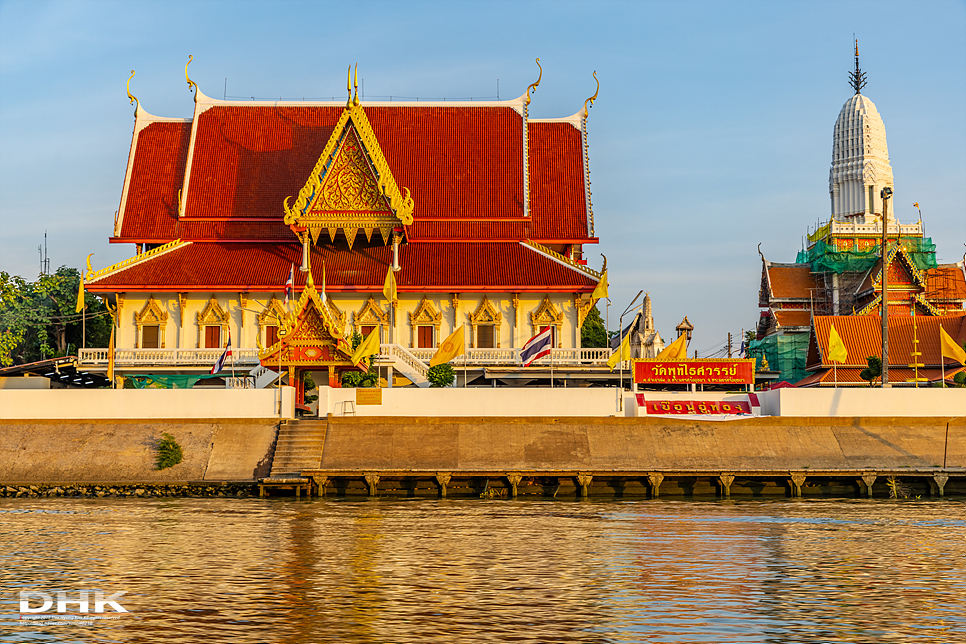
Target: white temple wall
514 329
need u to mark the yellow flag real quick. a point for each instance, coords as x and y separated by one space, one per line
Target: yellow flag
81 304
368 347
454 345
949 347
389 288
601 289
110 355
836 348
677 350
622 354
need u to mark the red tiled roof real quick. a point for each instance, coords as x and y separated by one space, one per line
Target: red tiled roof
791 281
462 163
862 335
557 198
439 267
793 317
152 196
945 282
456 161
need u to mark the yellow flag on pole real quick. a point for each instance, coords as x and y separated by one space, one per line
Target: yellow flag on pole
836 348
368 347
110 356
81 304
949 347
454 345
677 350
622 354
601 288
389 288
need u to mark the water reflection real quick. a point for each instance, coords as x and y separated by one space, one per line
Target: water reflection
250 570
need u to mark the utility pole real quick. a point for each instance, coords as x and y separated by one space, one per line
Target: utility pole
886 193
729 345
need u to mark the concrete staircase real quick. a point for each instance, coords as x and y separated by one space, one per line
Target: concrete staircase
299 447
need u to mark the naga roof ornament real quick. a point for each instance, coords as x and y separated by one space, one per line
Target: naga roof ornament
134 100
592 98
534 85
191 83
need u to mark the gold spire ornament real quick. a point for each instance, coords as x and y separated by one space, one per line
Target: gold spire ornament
592 98
355 99
131 96
533 86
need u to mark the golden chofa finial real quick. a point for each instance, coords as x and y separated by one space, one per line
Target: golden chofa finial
191 83
132 96
348 86
355 82
534 86
592 98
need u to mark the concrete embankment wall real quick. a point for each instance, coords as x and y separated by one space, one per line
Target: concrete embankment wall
629 444
124 450
146 404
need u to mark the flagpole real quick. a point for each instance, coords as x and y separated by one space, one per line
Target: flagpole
942 358
552 339
465 351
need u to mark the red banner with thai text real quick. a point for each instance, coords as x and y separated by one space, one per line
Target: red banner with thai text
700 371
694 406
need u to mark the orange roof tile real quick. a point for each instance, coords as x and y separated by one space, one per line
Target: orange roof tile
945 282
793 317
862 335
844 376
791 281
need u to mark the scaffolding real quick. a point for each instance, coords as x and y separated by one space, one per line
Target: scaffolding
785 353
826 258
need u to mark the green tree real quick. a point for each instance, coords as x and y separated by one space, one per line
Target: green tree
873 371
441 375
593 334
38 319
368 378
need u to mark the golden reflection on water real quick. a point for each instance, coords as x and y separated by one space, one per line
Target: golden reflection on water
250 570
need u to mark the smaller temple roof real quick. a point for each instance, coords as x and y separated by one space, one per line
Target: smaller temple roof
789 281
793 317
862 335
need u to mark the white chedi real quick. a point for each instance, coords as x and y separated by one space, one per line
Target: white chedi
860 163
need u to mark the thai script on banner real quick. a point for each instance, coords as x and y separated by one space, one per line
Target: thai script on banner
701 371
694 406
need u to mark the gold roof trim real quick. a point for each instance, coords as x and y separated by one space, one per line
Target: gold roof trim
400 201
131 261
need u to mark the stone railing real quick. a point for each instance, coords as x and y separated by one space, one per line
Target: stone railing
511 357
417 359
847 228
88 358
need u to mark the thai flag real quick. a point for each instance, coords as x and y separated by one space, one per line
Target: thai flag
290 284
220 364
537 347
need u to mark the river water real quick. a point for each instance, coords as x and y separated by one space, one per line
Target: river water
380 571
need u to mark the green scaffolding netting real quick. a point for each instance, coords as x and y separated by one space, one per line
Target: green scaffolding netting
824 258
785 353
155 381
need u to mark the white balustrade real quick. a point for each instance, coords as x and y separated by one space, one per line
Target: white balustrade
417 359
166 357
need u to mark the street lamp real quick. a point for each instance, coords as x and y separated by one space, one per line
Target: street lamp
620 329
886 194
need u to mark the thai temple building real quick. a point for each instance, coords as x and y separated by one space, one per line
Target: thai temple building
482 213
839 272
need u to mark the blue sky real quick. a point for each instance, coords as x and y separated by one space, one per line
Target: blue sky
712 132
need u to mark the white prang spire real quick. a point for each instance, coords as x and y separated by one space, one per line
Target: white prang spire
860 158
